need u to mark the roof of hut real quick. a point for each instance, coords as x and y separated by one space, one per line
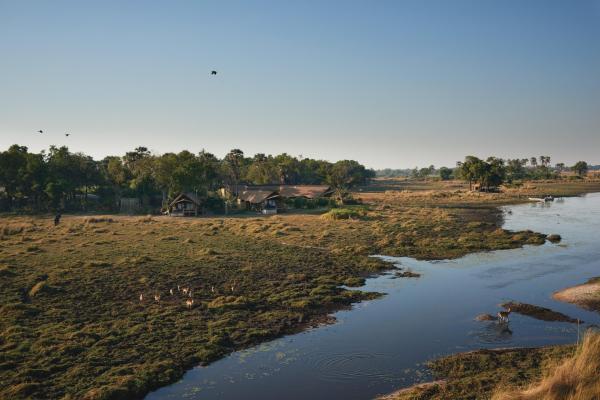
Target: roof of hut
186 197
256 196
308 191
290 191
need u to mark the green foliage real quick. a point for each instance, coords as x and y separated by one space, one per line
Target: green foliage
445 173
495 171
62 180
347 174
345 213
580 168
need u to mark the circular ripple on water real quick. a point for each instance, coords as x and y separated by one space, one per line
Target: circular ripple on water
342 367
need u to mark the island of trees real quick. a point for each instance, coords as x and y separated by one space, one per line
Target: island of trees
493 171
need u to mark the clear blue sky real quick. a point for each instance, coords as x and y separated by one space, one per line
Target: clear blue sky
389 83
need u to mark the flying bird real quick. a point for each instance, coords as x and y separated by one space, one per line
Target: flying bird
40 131
213 72
67 134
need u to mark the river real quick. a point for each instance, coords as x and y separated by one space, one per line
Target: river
379 346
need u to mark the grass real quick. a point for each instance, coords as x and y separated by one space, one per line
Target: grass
476 375
72 325
345 213
549 373
575 378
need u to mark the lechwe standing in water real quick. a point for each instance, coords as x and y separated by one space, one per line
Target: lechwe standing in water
503 315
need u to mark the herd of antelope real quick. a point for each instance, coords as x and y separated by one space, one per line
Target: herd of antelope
185 292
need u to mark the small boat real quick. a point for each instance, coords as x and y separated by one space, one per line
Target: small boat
542 199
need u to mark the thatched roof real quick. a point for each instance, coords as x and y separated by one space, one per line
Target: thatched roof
308 191
256 196
185 197
291 191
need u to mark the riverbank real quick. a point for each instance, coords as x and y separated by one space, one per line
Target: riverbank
550 371
586 295
73 324
553 372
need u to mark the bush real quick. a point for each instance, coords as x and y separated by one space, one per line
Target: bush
344 213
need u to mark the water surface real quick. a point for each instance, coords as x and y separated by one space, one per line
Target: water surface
379 346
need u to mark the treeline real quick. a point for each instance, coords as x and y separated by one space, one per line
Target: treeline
62 180
493 171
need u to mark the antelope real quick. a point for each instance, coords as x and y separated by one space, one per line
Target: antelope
185 290
171 291
141 296
503 315
189 303
157 297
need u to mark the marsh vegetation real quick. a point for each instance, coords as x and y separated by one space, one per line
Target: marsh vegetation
73 325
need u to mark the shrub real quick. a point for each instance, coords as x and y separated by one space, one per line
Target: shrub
344 213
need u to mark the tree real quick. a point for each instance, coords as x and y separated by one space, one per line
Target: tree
162 172
425 172
489 173
494 173
471 169
262 170
12 164
445 173
533 162
141 164
515 169
210 169
288 169
347 174
233 163
66 176
187 174
116 177
581 168
313 171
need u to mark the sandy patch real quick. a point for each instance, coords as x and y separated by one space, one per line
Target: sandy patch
586 295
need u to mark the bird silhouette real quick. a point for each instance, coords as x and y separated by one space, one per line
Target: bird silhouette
67 134
213 72
40 131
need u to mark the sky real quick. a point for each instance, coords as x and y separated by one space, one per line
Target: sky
392 84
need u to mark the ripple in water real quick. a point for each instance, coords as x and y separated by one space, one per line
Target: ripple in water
342 367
